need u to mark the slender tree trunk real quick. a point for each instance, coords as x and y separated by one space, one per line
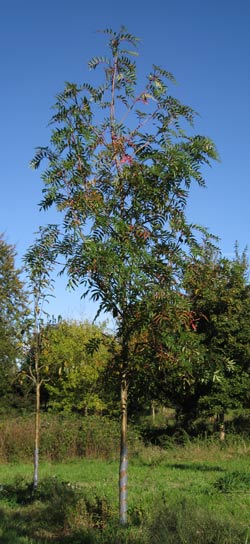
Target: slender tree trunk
123 474
153 411
37 433
222 426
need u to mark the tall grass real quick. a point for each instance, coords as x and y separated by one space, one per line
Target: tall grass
62 437
93 437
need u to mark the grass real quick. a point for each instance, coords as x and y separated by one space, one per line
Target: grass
186 495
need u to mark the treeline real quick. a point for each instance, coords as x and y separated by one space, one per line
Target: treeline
194 357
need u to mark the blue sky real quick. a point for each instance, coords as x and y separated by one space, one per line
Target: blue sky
207 47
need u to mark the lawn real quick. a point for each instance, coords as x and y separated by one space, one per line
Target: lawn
186 495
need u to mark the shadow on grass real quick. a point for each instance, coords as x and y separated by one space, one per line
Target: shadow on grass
26 527
188 523
195 466
56 512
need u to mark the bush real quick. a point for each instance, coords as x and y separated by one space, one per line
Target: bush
64 505
62 437
18 492
240 424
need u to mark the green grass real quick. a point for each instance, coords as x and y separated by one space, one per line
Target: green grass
187 495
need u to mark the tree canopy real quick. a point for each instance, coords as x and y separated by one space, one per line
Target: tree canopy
75 370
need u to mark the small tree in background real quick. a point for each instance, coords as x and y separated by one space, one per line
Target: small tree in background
119 169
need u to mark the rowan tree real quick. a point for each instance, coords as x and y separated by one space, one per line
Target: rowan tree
119 169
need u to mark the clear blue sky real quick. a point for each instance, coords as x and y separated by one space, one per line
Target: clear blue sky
205 44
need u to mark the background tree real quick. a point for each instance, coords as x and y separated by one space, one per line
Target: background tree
219 293
76 359
13 319
172 354
119 169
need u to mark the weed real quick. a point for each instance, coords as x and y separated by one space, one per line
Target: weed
233 481
18 492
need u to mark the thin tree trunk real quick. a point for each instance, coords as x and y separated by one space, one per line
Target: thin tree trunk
37 433
123 473
153 411
222 426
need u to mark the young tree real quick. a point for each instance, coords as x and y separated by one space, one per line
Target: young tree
119 169
38 267
13 316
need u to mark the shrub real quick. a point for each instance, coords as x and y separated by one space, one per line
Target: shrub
64 505
18 492
241 424
62 437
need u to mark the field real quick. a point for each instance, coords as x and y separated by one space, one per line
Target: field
197 493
